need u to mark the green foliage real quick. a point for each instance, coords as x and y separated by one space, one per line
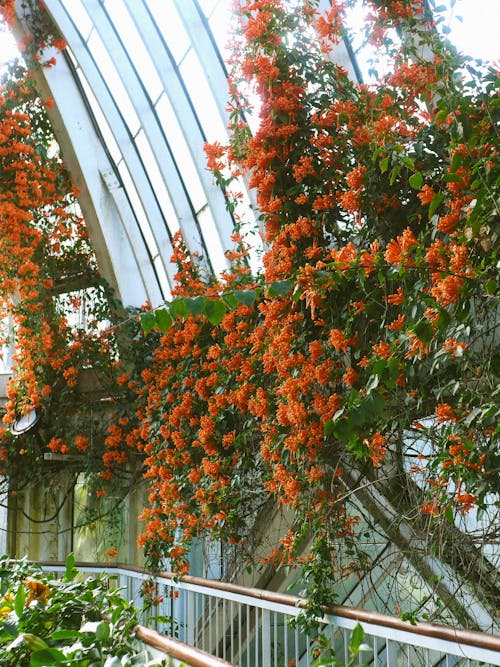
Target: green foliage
357 650
67 622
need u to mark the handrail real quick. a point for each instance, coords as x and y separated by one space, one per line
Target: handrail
457 635
193 657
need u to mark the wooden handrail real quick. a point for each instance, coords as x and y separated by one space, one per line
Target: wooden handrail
482 640
175 649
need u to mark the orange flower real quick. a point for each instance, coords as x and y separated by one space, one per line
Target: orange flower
445 412
426 194
431 508
338 340
38 591
467 502
382 349
397 298
81 443
447 290
447 223
397 251
397 324
377 448
358 306
454 348
350 376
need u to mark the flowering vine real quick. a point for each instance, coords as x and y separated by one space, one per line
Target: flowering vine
363 355
70 371
367 344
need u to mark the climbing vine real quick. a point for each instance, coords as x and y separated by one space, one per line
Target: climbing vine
365 351
364 355
71 361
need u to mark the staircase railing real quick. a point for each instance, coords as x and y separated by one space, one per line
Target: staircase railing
252 628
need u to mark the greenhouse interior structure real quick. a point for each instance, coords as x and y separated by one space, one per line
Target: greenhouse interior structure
249 323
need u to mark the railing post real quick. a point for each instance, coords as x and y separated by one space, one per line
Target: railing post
266 638
190 620
392 652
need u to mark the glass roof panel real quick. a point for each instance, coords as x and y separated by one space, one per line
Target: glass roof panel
162 276
219 21
202 97
104 127
157 182
138 208
208 6
170 24
81 18
181 152
141 58
113 82
212 241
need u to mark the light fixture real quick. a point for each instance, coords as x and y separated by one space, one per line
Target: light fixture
25 422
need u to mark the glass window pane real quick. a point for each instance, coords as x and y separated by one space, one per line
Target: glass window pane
212 241
202 98
132 40
219 22
181 152
162 276
171 27
138 209
113 81
157 182
100 118
81 19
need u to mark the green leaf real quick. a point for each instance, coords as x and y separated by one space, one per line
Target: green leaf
33 642
280 287
372 405
343 429
456 161
71 570
245 296
408 162
328 428
178 307
215 311
448 514
453 178
357 637
148 321
444 320
424 331
195 305
164 319
47 656
435 203
416 180
102 632
384 165
490 286
144 658
59 635
19 601
230 300
394 173
372 383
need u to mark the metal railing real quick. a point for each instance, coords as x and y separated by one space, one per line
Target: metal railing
178 653
252 627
